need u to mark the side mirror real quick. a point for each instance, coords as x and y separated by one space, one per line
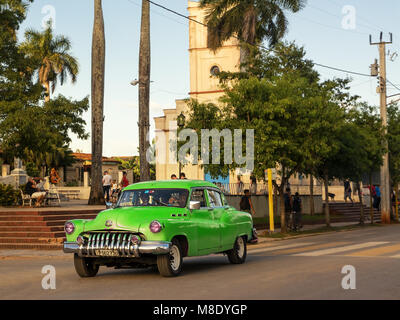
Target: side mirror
194 205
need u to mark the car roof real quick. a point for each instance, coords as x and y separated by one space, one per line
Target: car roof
184 184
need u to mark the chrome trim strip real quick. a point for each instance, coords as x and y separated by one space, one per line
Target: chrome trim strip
119 243
90 244
155 247
103 236
98 242
129 250
112 241
123 244
107 241
71 247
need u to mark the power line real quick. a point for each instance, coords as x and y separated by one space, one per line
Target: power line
393 84
260 46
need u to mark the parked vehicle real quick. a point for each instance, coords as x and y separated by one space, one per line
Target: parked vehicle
159 223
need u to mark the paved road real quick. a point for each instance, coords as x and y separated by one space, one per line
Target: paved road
306 268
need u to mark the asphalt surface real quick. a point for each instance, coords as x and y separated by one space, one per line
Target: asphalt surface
303 268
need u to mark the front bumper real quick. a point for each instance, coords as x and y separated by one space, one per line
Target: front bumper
127 250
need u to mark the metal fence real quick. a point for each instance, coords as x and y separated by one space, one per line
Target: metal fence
262 188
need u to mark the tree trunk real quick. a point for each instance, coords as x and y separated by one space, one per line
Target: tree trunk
98 64
371 209
47 86
327 213
312 208
361 203
244 56
144 91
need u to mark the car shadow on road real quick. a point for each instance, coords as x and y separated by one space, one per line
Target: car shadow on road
191 266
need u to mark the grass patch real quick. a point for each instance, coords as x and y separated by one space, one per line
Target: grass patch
279 235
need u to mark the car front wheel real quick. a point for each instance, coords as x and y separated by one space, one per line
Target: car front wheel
85 267
239 252
170 265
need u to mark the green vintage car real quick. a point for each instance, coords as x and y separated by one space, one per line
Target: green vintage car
159 223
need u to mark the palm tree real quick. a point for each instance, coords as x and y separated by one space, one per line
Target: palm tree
144 90
251 21
52 57
98 66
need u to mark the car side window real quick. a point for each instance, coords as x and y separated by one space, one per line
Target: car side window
198 195
214 198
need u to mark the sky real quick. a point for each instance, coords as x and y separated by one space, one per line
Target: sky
333 32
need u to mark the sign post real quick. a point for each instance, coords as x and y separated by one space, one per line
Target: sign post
271 202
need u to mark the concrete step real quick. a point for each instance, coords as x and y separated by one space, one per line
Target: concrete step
36 246
33 240
31 234
51 223
47 212
31 228
47 217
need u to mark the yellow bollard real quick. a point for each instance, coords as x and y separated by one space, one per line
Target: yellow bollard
271 202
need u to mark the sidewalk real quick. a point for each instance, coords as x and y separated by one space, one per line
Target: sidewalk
305 228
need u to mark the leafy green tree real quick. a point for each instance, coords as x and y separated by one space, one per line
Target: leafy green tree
41 134
133 163
252 21
394 144
52 59
367 119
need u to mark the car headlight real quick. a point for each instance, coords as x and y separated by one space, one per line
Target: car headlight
69 227
155 226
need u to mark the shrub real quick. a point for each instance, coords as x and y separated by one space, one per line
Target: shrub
8 195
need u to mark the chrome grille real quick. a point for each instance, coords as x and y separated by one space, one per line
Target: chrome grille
117 242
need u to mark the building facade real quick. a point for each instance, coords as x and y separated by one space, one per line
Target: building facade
204 87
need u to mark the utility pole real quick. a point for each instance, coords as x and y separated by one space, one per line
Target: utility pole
382 90
144 91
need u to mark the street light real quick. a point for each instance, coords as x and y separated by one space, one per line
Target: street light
136 82
181 123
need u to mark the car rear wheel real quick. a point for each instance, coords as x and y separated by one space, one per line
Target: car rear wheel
239 252
170 265
85 267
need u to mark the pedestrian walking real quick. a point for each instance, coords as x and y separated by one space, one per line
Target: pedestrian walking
247 206
239 185
377 201
106 185
288 200
347 191
253 184
297 208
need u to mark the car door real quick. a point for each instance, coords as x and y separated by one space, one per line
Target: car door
208 238
219 214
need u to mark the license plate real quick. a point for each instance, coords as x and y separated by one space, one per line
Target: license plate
107 253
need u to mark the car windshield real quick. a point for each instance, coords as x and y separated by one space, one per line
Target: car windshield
154 198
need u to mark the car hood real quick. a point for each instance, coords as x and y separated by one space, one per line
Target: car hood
131 218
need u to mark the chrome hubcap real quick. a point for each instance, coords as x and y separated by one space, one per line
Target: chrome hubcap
240 247
175 258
